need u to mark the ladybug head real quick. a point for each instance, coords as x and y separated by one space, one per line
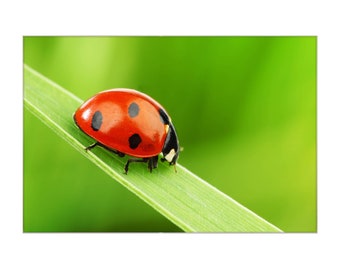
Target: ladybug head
171 146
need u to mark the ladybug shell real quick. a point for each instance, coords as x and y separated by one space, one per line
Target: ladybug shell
125 120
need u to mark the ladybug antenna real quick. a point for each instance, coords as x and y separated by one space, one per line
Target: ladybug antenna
175 168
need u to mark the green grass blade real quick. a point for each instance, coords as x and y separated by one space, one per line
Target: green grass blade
182 197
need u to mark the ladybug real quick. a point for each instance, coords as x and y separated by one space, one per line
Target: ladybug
128 122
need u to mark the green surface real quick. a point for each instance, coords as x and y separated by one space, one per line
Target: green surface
244 109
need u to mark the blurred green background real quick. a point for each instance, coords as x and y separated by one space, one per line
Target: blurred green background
244 109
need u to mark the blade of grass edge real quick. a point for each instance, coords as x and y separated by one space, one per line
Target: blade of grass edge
184 198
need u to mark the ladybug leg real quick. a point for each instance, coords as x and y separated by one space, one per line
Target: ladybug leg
99 144
130 160
91 146
152 163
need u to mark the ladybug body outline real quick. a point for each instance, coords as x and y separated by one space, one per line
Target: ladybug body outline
128 122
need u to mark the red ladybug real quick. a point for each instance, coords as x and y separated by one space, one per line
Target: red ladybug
126 121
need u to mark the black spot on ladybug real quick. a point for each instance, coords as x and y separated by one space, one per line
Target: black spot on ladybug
97 120
134 141
133 109
164 117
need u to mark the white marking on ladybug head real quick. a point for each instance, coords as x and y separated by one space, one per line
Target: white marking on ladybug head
169 156
166 129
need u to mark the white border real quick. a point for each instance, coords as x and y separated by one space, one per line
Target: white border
169 251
